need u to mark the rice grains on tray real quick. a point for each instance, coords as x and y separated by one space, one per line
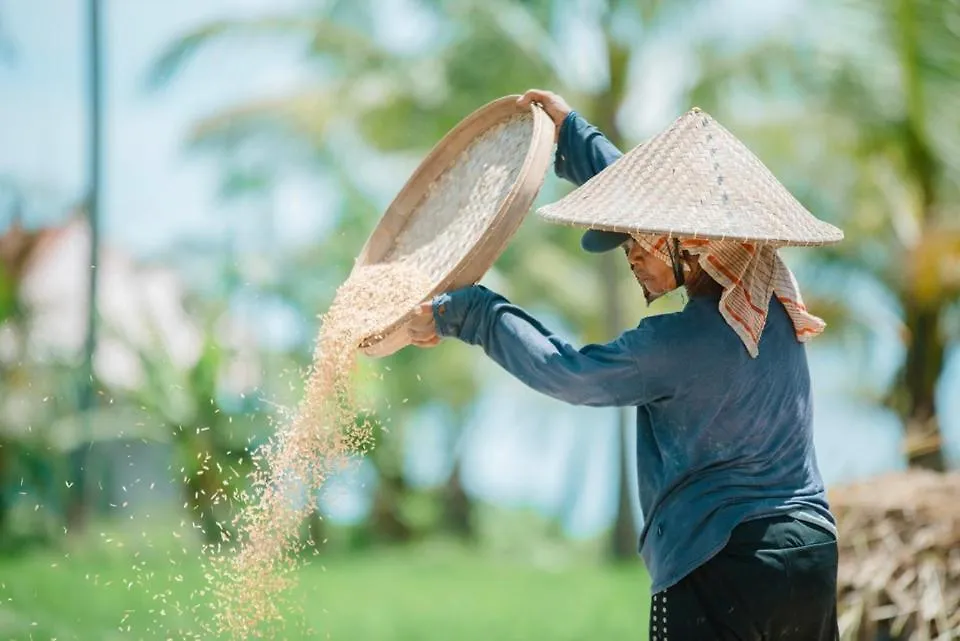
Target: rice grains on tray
250 583
460 205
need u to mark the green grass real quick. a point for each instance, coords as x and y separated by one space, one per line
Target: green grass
417 594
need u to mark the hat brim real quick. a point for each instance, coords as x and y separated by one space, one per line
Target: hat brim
693 180
598 241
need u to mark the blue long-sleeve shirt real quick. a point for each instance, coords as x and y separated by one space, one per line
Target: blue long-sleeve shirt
721 437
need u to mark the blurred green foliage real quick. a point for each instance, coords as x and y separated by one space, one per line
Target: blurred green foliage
853 107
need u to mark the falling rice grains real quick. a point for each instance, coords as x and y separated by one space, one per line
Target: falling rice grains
251 581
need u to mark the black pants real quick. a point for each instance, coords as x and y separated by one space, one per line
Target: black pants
775 579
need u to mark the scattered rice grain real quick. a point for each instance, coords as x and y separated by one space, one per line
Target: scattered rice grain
251 581
328 430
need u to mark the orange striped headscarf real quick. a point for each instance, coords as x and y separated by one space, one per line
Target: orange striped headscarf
750 275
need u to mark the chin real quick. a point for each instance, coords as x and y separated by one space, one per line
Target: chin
650 294
653 291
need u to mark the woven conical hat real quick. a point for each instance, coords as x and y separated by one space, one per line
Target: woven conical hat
694 180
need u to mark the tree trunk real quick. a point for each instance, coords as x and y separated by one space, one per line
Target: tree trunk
925 350
457 509
316 529
623 544
924 364
386 520
5 449
85 490
625 536
202 489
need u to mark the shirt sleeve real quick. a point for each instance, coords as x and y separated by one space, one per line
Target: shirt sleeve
622 373
582 150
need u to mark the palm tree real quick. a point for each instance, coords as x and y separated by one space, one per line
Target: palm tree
83 495
401 117
403 103
874 107
603 106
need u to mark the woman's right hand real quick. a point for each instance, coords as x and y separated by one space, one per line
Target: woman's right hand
555 106
423 328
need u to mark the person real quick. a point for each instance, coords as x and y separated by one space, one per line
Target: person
737 536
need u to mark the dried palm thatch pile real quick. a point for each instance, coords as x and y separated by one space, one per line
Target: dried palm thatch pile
899 573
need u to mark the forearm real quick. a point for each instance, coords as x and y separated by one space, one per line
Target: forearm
597 375
582 150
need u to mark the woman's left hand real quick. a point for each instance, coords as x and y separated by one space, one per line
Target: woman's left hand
423 328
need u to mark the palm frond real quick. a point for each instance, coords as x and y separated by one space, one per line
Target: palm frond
304 116
527 32
177 55
920 45
389 105
351 47
933 267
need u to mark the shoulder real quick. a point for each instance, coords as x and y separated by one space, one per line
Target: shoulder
696 333
696 318
660 337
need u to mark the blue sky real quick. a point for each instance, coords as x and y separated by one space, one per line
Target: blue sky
154 191
155 194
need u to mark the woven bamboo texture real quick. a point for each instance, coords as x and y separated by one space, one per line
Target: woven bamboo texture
693 180
459 209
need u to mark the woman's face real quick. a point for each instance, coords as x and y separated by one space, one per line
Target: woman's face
655 275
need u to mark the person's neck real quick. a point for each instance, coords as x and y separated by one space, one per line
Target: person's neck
703 286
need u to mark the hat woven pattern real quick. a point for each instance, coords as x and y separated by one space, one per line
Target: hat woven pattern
694 180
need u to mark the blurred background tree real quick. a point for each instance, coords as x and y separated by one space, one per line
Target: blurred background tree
402 103
850 102
874 87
